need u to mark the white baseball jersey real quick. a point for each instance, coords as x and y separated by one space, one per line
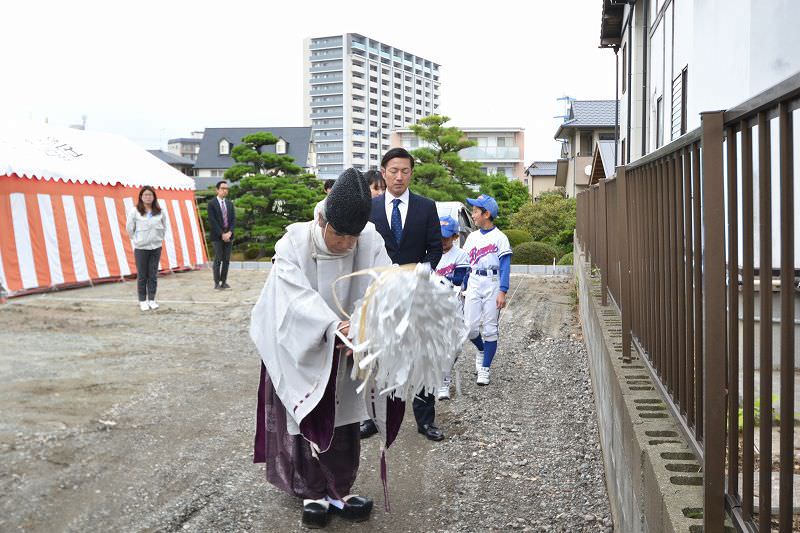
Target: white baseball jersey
454 258
485 250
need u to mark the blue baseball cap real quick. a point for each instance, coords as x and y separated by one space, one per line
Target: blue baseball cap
487 202
449 226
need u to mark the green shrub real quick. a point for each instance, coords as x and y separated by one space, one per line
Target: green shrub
535 253
517 236
566 259
253 251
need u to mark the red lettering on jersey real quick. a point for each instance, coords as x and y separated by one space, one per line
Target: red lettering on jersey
476 253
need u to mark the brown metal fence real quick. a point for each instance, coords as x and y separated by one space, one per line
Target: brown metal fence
674 239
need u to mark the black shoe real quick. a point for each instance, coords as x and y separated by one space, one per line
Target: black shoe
368 429
315 515
356 508
225 286
431 432
216 285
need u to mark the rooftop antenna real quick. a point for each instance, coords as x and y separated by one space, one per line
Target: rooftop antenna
567 105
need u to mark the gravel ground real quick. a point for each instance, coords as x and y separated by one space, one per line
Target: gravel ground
117 420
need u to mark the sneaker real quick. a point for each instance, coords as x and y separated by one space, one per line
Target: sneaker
444 392
152 304
483 375
143 306
478 361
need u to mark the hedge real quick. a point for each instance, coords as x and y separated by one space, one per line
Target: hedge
535 253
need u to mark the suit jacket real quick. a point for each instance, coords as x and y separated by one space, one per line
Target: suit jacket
217 228
421 241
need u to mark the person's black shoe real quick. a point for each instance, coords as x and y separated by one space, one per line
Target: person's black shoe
356 508
368 429
216 285
225 286
431 432
315 515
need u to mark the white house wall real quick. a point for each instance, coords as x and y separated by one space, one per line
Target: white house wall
742 47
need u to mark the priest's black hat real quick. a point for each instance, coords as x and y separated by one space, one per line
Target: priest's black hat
349 204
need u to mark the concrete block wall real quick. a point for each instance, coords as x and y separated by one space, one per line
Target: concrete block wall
654 480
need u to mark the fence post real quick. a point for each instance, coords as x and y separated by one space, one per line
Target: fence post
602 233
713 261
624 262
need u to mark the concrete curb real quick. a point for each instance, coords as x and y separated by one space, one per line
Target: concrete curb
653 478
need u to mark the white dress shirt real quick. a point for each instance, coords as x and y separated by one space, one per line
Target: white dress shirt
403 207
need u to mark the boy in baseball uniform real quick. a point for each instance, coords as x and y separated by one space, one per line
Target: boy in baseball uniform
489 254
453 266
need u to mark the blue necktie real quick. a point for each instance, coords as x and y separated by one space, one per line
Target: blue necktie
397 222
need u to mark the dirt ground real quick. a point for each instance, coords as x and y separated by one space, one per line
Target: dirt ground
112 419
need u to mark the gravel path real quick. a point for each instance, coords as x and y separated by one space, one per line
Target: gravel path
102 432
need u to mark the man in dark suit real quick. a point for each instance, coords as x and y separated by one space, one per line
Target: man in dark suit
221 219
410 227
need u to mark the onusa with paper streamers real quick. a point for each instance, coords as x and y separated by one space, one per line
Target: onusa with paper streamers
406 331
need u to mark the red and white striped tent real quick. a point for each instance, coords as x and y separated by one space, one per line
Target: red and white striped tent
64 195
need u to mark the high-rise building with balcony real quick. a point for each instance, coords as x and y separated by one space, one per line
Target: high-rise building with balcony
357 90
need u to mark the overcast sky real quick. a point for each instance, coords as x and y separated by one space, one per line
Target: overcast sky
156 70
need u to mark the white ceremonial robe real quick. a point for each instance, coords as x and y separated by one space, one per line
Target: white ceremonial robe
293 323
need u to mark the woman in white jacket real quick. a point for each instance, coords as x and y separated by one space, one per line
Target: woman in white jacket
146 226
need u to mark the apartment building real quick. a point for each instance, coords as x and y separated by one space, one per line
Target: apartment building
186 147
499 150
356 91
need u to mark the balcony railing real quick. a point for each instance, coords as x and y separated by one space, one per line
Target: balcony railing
329 78
319 90
334 66
326 54
331 101
326 43
489 153
327 112
688 241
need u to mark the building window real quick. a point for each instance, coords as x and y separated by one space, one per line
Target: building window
684 95
280 147
586 143
659 122
224 147
606 136
679 88
501 142
622 155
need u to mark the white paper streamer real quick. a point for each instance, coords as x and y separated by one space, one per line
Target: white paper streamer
406 331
